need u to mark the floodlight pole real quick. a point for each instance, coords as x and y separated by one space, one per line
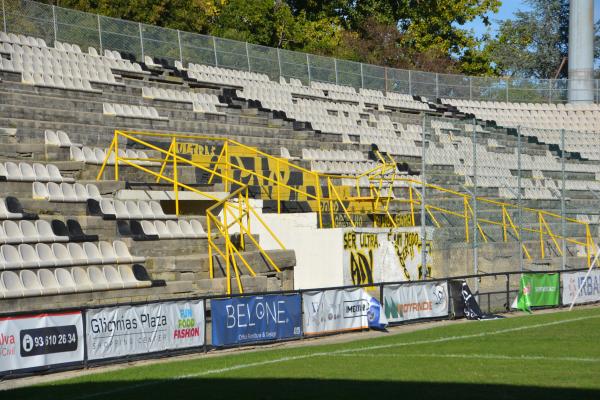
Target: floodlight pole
563 208
519 205
423 229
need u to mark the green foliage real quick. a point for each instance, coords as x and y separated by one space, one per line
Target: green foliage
398 33
535 42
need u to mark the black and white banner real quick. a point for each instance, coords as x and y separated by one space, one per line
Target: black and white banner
590 291
42 340
336 310
128 330
415 301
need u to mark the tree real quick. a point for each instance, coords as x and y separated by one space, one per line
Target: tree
535 42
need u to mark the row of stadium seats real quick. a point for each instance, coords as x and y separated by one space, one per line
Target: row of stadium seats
44 255
44 282
25 172
65 192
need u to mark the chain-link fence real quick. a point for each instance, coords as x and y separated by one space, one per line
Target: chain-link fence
516 199
136 40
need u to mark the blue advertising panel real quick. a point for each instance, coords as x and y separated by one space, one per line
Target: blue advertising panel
255 319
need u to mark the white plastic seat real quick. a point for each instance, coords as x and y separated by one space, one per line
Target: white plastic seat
10 257
186 229
27 173
109 256
31 283
123 254
162 230
30 233
55 174
92 253
149 228
13 173
65 280
82 280
30 257
61 254
48 282
113 277
81 192
41 173
197 227
107 207
54 192
129 279
93 192
69 194
146 210
133 210
77 154
158 211
78 256
51 138
98 279
174 229
121 210
46 254
13 232
46 234
12 284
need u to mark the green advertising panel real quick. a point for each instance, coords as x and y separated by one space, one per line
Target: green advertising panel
538 290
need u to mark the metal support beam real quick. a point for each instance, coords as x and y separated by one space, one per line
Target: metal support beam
423 198
563 208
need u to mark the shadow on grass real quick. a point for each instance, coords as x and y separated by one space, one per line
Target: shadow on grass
305 389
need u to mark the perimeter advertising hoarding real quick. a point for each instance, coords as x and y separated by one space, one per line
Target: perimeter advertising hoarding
255 319
39 341
129 330
415 301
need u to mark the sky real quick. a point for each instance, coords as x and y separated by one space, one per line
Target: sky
507 10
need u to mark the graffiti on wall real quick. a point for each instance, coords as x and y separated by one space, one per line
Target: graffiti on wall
373 255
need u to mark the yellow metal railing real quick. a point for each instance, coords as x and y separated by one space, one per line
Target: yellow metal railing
380 198
236 206
543 230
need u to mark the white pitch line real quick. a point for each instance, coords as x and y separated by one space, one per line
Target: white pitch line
522 357
336 352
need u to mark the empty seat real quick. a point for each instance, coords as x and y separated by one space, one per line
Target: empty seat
107 252
65 280
92 253
113 277
31 283
82 280
10 257
97 279
123 255
133 210
129 279
13 232
174 229
162 230
11 284
48 282
78 255
61 254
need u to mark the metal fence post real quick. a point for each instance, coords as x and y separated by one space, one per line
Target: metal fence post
54 22
563 209
308 68
100 35
550 85
180 48
475 249
470 88
519 206
279 63
362 77
215 51
247 56
141 41
437 85
409 83
4 16
507 90
336 71
423 230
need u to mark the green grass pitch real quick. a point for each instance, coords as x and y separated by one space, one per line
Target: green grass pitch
545 356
